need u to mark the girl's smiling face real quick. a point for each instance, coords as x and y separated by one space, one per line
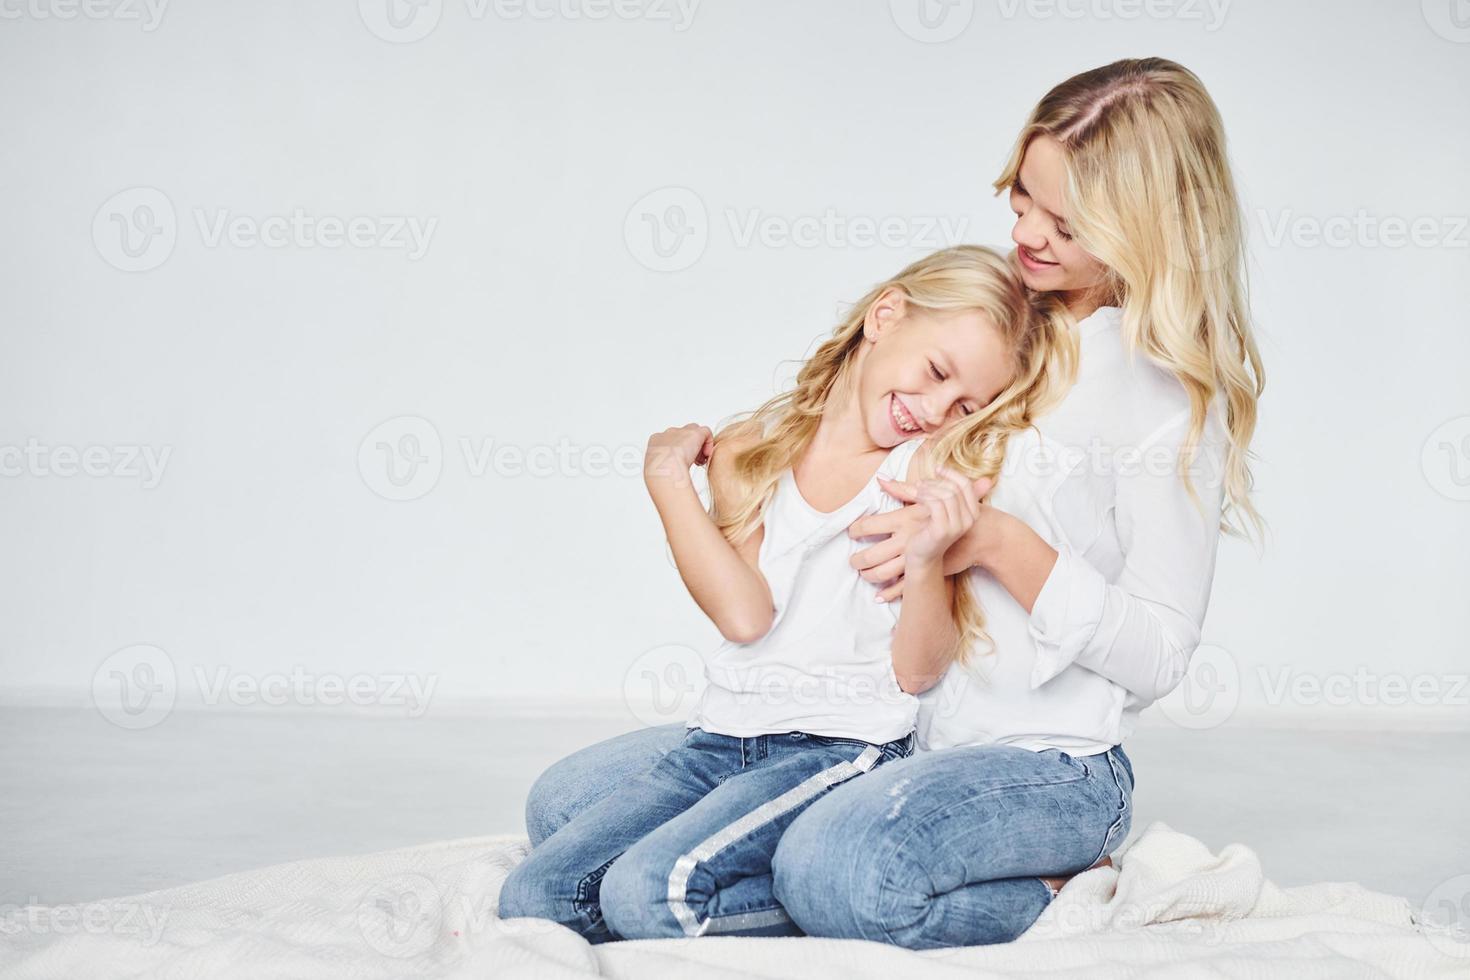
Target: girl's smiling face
1050 258
920 370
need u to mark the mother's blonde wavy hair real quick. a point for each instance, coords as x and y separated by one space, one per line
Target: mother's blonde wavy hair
1150 195
1036 329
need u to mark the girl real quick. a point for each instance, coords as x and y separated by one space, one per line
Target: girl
816 683
1093 562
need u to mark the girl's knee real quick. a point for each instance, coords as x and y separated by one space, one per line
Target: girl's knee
544 815
631 896
643 897
524 894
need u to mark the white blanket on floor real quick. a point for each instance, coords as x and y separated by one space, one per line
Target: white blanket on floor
1170 909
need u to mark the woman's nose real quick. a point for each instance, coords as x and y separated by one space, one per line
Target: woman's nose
1027 231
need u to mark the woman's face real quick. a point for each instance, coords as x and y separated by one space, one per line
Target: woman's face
1050 259
921 370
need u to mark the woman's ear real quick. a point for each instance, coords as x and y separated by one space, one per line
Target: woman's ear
887 309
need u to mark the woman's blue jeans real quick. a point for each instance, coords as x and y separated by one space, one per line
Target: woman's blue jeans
685 847
939 849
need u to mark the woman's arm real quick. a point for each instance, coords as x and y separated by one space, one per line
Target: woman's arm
724 581
1140 629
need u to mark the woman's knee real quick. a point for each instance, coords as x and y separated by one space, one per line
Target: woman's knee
825 871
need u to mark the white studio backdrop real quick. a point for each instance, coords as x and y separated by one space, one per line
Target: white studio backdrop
333 331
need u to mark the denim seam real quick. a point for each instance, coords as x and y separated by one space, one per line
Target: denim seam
1124 805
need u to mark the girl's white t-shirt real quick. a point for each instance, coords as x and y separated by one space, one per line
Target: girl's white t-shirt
825 667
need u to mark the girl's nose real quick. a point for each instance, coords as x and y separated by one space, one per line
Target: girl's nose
933 419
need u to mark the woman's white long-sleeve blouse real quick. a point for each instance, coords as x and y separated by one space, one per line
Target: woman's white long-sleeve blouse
1120 614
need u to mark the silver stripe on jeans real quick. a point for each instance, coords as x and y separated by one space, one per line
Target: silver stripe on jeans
765 813
744 920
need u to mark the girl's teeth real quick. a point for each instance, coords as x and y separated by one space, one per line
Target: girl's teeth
903 424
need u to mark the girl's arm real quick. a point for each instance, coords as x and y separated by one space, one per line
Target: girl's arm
925 634
925 638
724 581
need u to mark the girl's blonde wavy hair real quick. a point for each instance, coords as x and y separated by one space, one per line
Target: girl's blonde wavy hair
1036 329
1150 195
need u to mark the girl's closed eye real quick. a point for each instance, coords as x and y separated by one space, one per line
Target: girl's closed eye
938 375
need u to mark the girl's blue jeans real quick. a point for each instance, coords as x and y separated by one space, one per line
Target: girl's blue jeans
684 847
930 850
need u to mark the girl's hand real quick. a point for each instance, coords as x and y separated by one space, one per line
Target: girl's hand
673 451
953 506
884 561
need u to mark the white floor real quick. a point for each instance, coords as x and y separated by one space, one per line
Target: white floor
89 811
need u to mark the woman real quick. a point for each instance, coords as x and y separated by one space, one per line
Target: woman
1093 560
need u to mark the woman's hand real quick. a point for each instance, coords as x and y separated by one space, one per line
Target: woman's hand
884 562
673 451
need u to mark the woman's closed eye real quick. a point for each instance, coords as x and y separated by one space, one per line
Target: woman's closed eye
1062 233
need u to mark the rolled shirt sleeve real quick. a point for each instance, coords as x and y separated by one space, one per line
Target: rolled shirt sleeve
1140 629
